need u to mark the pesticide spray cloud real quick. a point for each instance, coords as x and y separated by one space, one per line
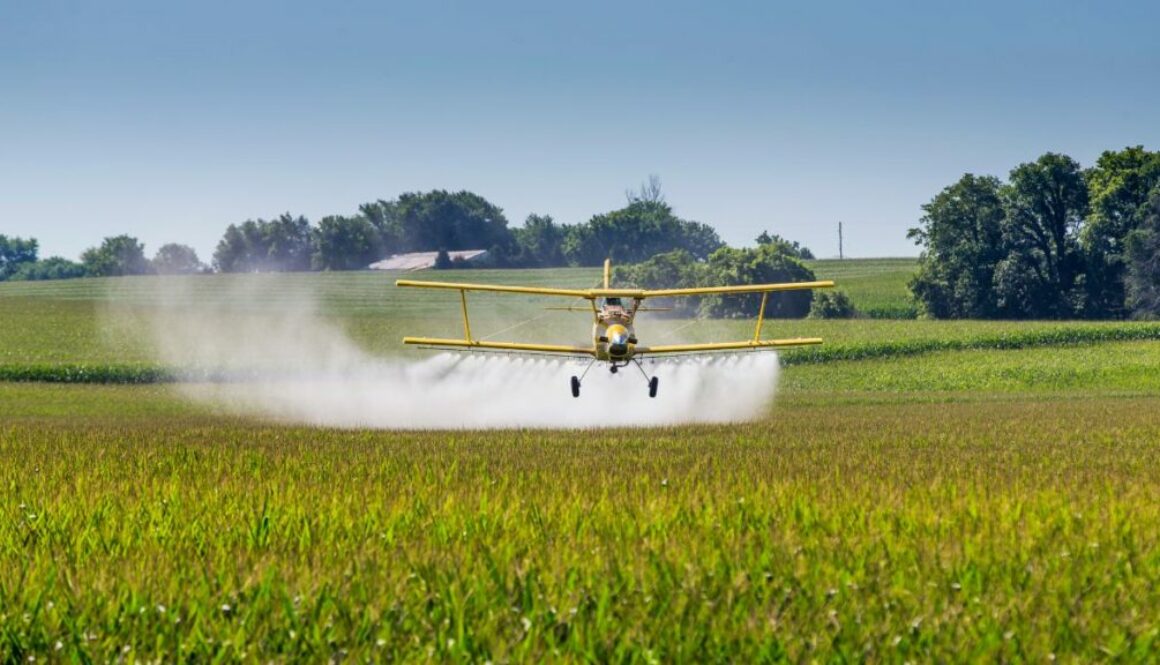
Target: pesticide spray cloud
290 364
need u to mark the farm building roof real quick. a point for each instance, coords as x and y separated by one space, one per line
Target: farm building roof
423 260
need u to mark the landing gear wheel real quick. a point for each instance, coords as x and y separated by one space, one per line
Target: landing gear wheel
575 387
652 386
614 369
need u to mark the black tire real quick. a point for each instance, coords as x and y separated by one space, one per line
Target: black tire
652 386
575 387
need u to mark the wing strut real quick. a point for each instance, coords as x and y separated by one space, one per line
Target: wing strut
760 316
466 323
469 342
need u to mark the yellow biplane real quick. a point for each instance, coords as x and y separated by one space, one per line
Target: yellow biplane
614 339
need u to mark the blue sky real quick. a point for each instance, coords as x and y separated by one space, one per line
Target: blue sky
169 121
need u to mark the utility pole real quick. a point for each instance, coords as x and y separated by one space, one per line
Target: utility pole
840 254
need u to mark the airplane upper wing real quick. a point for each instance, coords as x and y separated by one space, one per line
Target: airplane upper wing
498 288
591 294
744 288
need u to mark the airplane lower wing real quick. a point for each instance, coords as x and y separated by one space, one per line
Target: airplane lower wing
712 347
479 345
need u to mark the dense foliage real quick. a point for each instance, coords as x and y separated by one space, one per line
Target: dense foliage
832 305
1119 184
725 267
637 232
1143 253
1048 243
14 253
427 222
177 259
116 256
962 233
541 242
282 244
447 221
53 267
346 243
761 265
1039 277
790 247
671 270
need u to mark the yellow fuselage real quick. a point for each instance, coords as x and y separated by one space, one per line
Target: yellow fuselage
613 335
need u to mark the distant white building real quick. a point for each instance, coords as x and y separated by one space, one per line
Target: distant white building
423 260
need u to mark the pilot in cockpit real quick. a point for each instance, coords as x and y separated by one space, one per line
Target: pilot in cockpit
613 309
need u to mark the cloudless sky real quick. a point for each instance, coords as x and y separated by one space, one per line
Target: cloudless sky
170 120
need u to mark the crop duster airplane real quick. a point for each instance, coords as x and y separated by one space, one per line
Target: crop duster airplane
614 339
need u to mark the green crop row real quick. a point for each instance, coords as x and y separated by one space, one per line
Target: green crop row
141 373
81 373
895 311
123 374
1121 368
1005 341
1025 531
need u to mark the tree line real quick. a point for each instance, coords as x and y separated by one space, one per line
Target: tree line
447 221
654 247
437 220
115 256
1053 241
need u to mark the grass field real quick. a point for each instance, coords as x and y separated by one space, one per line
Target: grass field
877 287
953 499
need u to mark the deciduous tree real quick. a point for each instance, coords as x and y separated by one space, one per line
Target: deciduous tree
282 244
791 247
54 267
672 270
1143 252
177 259
760 265
1045 203
14 253
116 256
961 233
346 243
1118 188
541 242
637 232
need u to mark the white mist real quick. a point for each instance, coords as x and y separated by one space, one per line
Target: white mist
293 366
